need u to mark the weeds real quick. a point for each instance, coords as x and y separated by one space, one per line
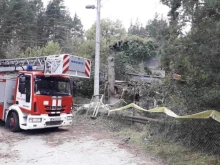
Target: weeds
173 153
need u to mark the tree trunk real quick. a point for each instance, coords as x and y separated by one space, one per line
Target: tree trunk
111 80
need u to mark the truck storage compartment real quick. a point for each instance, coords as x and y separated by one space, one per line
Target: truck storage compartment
7 84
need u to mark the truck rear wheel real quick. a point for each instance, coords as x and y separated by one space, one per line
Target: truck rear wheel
14 122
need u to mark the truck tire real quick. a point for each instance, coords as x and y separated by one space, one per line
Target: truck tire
14 122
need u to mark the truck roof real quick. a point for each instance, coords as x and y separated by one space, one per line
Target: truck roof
39 73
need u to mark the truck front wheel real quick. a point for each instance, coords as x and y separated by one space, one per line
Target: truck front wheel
14 122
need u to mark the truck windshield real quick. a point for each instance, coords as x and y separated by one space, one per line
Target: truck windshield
52 86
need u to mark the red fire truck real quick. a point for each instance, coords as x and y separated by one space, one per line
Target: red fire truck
35 92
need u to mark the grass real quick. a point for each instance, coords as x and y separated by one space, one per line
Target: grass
173 153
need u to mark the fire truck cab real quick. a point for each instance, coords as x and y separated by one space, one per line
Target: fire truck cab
34 98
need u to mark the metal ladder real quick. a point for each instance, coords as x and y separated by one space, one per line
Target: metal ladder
44 63
97 102
17 64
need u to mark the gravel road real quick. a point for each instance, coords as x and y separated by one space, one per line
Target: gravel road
80 144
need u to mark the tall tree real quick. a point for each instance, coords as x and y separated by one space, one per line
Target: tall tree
40 21
137 29
110 31
196 56
26 23
75 37
3 8
58 22
18 23
158 29
77 30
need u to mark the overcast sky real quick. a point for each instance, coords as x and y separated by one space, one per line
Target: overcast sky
125 10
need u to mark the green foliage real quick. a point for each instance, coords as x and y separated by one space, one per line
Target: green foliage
77 30
138 29
120 66
110 31
17 22
197 60
158 29
132 52
58 25
26 23
51 48
195 56
139 51
86 86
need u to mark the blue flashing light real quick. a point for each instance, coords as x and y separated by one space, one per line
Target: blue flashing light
29 68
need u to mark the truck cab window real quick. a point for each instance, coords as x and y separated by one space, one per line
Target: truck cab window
52 86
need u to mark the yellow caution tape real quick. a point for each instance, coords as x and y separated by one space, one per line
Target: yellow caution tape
201 115
121 100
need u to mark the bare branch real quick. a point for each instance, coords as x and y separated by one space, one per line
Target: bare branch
217 11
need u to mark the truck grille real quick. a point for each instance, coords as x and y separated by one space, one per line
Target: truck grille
55 107
55 111
53 115
49 123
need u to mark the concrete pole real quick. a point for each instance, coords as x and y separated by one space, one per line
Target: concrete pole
97 50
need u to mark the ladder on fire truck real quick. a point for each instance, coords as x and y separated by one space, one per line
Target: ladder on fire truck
64 64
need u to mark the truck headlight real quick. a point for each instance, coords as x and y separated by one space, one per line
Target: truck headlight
35 120
69 118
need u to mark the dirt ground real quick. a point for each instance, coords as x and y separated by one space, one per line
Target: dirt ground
86 142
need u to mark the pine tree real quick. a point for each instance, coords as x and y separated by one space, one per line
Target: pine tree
58 22
138 30
77 27
17 23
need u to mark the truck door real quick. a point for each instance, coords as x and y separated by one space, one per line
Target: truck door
2 98
24 92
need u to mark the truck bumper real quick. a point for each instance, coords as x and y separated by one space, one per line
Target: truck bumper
45 121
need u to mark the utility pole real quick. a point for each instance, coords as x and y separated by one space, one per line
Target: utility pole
97 50
97 46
